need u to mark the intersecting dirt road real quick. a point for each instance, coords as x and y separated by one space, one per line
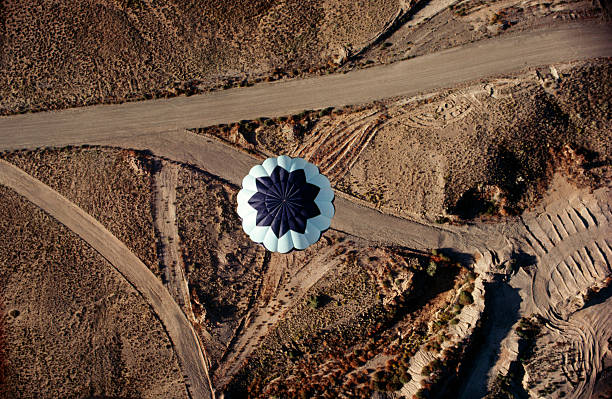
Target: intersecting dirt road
159 126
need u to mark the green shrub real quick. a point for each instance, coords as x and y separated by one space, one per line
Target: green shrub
314 302
405 378
317 301
442 220
465 298
431 269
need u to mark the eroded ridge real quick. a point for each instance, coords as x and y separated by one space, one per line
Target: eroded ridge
571 241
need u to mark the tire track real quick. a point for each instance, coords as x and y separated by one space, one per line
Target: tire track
165 182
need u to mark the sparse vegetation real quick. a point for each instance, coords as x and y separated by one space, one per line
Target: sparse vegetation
345 349
223 266
56 288
190 49
112 185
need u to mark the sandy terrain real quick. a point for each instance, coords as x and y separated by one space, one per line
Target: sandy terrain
286 282
565 251
442 24
444 149
57 54
160 49
351 314
340 346
185 342
112 185
236 333
469 151
572 243
495 56
73 326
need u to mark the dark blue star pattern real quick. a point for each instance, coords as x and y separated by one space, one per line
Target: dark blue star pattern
285 201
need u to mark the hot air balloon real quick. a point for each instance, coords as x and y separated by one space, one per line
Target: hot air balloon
285 204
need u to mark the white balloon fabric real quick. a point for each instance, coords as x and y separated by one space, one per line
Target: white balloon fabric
285 203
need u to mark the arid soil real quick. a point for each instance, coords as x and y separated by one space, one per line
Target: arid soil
360 311
72 326
353 330
265 311
166 229
571 242
112 185
64 54
480 149
443 24
59 54
222 265
512 170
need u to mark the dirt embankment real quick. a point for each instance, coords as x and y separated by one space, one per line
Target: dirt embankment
74 327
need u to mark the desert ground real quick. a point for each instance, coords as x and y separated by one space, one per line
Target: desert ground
468 144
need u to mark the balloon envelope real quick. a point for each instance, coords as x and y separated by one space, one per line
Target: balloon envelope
285 204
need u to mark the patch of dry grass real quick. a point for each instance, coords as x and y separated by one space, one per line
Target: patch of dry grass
113 186
73 326
58 54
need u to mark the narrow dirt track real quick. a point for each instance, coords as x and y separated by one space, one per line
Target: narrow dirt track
181 333
165 181
446 68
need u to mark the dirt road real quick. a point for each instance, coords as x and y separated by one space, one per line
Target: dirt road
446 68
232 165
165 224
180 331
159 125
